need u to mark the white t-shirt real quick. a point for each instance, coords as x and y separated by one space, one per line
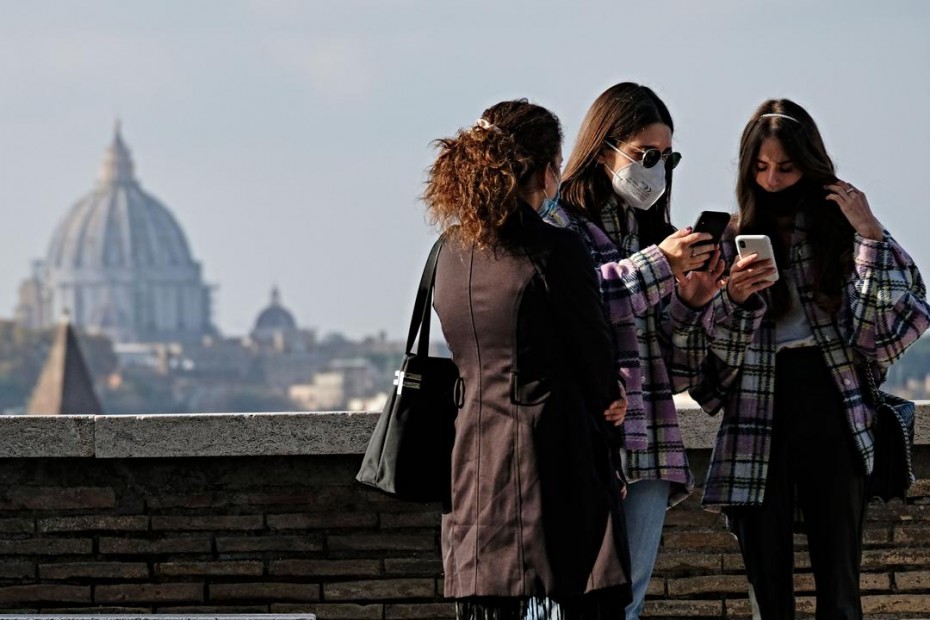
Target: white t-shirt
793 329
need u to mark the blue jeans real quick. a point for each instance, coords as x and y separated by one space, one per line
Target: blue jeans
644 509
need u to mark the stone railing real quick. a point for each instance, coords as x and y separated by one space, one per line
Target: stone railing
259 513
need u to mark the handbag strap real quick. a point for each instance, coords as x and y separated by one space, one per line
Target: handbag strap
422 307
878 398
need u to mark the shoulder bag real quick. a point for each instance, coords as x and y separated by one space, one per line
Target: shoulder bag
893 430
409 455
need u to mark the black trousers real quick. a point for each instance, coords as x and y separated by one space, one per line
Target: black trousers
813 462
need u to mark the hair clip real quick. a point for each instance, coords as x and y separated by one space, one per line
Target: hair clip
485 124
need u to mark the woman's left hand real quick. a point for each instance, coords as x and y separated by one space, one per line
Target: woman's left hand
855 207
616 412
698 288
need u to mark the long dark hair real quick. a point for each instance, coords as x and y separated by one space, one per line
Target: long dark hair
617 115
830 234
474 185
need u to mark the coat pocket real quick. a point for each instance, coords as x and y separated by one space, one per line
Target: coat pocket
526 390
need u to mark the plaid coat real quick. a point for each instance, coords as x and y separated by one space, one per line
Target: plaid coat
659 343
885 311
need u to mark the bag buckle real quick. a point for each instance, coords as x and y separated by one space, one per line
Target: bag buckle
406 380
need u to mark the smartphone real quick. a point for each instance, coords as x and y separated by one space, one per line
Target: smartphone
714 223
757 244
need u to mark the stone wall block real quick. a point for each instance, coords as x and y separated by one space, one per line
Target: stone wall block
43 593
149 593
271 592
94 570
378 589
325 568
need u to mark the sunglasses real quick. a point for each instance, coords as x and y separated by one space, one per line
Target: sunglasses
652 156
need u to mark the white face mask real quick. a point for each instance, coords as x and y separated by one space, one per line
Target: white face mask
638 186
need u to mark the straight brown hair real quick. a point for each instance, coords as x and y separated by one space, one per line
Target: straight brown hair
617 115
830 234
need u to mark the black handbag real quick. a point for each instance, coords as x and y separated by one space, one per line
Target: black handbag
409 455
893 430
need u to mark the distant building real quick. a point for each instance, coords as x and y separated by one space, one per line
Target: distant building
371 403
344 384
275 327
120 265
359 377
325 393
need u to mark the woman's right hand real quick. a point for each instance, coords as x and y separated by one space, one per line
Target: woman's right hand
749 275
687 251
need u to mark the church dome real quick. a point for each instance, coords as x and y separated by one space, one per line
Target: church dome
120 264
275 318
118 225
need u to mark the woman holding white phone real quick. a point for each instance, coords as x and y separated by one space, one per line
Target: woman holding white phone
785 357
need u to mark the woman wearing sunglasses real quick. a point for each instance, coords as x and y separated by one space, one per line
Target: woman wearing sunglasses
786 359
616 194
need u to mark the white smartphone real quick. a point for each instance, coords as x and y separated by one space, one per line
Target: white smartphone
757 244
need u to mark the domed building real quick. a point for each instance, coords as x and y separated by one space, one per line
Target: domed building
119 264
275 326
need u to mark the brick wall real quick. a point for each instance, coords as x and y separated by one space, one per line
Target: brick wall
230 535
296 534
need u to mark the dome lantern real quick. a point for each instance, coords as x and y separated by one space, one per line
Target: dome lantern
117 162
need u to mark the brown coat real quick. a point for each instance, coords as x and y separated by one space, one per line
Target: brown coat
535 498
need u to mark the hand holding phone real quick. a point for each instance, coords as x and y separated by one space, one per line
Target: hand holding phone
751 276
713 223
760 245
686 250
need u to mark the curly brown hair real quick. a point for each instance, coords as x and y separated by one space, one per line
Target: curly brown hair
475 183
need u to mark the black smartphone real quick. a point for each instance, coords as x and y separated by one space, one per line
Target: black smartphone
713 222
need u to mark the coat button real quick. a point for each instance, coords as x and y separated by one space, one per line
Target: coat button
847 382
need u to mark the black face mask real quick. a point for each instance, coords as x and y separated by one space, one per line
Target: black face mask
784 203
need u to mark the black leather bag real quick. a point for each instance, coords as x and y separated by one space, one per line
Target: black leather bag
409 455
893 428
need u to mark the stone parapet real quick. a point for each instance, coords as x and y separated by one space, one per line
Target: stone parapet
249 434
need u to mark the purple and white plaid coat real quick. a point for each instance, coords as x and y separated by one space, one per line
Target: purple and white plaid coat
659 341
885 312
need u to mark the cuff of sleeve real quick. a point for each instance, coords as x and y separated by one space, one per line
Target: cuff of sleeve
752 309
680 312
872 253
655 268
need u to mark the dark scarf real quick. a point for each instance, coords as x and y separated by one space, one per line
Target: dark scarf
786 202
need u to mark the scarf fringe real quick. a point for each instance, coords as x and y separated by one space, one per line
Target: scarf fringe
601 605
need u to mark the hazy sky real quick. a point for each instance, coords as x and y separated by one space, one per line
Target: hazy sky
290 138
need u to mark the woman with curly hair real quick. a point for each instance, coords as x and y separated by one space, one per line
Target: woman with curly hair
536 525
